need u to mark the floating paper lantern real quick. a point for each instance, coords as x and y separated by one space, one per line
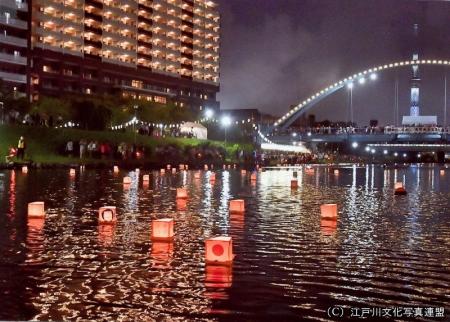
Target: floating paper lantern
107 215
146 178
162 229
126 180
36 209
72 172
237 205
294 183
329 211
163 171
218 276
253 176
116 169
24 169
336 172
399 189
219 250
197 175
182 193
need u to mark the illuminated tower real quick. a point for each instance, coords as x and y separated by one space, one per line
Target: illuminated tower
415 81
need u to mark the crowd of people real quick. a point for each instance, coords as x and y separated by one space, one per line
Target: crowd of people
103 150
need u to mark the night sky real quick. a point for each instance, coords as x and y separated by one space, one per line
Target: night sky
275 53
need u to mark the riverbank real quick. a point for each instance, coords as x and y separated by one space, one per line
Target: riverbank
45 148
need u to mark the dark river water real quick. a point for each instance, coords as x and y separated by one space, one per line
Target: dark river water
384 252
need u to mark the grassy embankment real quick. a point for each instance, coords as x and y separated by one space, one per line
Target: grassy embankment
44 145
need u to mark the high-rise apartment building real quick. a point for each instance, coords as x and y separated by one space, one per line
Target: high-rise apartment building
14 44
157 50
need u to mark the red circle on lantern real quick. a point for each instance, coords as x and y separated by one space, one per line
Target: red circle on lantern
217 250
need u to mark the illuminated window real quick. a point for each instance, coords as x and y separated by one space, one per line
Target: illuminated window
137 83
160 99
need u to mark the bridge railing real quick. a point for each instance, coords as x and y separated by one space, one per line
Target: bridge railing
416 130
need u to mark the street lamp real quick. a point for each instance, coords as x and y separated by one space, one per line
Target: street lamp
209 113
350 87
226 122
355 145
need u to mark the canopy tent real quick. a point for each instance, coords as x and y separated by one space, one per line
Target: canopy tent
197 130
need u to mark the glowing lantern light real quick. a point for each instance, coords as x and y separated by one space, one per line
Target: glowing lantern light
116 169
399 189
253 176
161 251
24 169
146 178
218 276
107 215
72 172
197 175
169 167
329 211
442 172
35 224
163 171
219 250
328 226
336 172
294 183
182 193
106 234
126 180
162 229
205 167
237 205
36 209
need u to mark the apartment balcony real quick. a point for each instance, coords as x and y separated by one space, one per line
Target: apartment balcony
13 77
13 4
15 41
13 59
118 62
19 24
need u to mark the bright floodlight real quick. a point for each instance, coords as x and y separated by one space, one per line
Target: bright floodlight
294 134
350 85
362 80
367 149
373 76
226 121
355 145
209 113
385 152
373 151
419 155
395 154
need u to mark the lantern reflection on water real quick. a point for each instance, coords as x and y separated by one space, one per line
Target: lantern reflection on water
162 229
329 211
219 250
218 276
106 234
328 226
36 209
237 205
107 215
161 253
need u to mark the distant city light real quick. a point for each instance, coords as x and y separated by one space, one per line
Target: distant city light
419 155
355 145
362 80
373 151
395 154
367 149
309 133
373 76
294 134
350 85
404 155
385 151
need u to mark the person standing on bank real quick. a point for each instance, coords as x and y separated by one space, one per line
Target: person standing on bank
21 148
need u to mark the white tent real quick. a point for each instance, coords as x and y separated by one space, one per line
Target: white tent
198 131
